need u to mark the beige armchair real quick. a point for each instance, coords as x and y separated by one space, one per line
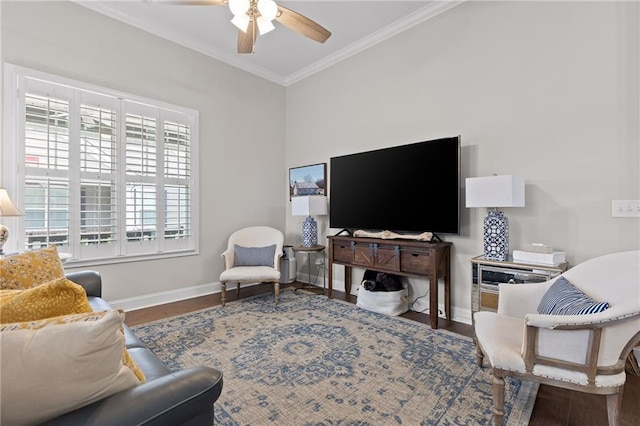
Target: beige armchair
580 352
252 256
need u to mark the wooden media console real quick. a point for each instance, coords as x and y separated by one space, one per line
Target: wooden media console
411 258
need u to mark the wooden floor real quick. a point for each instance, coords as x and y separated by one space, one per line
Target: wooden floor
553 406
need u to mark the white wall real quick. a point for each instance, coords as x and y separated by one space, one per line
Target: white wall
242 127
544 90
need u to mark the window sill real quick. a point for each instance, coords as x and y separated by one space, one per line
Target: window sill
84 263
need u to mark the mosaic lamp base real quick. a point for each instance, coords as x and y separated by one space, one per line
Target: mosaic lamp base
4 236
496 236
309 232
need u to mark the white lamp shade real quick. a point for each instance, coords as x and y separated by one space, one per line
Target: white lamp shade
495 191
7 208
312 205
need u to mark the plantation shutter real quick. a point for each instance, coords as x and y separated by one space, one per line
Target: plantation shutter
102 175
177 176
97 175
46 164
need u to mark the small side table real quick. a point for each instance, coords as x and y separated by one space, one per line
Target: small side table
315 250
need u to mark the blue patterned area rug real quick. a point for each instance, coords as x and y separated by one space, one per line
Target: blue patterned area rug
310 360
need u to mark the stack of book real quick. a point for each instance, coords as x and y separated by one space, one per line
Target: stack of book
539 254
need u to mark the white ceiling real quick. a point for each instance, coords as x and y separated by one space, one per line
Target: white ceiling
282 56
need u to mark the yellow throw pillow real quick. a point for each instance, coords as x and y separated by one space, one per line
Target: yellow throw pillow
56 365
58 297
29 269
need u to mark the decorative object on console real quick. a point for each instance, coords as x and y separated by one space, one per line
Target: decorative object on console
7 208
548 259
493 192
538 248
309 206
390 235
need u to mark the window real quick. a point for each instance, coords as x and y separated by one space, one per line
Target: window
101 174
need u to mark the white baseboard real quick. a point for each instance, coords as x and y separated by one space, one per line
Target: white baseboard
155 299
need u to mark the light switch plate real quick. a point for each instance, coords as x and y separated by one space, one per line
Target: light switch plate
625 208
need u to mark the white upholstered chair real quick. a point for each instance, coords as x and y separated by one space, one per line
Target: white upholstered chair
580 352
252 256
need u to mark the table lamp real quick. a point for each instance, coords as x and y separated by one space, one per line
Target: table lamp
311 205
7 208
493 192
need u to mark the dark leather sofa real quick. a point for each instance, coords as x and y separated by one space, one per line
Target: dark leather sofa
185 397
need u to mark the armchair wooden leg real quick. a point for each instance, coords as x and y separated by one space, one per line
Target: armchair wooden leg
498 398
276 289
479 355
614 402
223 293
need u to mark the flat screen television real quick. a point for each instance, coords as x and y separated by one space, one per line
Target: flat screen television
411 188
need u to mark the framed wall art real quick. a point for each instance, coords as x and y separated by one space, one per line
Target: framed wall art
308 180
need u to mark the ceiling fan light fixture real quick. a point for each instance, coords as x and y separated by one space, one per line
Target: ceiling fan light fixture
239 7
241 21
264 26
268 9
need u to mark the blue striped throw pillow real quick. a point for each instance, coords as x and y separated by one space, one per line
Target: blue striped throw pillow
563 298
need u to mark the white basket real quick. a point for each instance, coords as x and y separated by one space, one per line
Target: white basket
383 302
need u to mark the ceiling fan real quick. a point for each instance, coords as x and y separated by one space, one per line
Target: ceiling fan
255 16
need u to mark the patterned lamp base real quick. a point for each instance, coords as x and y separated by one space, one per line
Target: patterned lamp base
4 236
309 232
496 236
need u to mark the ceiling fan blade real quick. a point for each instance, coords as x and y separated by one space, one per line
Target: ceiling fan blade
301 24
247 40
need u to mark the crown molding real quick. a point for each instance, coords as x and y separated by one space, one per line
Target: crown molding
429 11
433 9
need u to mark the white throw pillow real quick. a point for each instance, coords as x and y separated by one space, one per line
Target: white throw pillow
56 365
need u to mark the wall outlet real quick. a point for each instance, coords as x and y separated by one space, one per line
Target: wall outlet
625 208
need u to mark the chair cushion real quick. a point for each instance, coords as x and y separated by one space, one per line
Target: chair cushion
249 274
563 298
253 256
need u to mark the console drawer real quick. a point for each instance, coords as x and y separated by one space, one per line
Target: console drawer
342 253
363 254
387 257
415 262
